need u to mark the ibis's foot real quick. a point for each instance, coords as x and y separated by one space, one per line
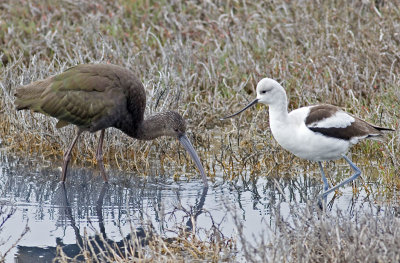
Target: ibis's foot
64 168
101 196
63 177
103 172
67 158
100 163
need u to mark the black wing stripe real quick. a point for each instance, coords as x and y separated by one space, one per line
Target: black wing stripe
357 129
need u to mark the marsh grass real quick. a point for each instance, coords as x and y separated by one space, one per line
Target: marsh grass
309 235
186 246
204 60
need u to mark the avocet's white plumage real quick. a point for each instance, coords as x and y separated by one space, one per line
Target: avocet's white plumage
317 133
291 132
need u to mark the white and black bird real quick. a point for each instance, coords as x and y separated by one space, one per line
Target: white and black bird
317 133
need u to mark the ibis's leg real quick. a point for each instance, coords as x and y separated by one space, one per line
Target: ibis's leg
99 209
67 156
99 156
351 178
326 185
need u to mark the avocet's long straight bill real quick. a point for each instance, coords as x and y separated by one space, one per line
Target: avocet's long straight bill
242 110
188 147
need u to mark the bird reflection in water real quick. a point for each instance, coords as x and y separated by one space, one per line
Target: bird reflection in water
98 245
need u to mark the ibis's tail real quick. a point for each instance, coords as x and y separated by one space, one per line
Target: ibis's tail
29 96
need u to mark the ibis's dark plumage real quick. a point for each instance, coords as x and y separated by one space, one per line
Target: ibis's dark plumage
95 97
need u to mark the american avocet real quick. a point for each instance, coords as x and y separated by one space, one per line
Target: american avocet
317 133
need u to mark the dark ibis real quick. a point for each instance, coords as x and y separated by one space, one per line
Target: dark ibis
95 97
317 133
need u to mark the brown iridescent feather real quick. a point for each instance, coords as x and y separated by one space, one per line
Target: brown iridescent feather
95 97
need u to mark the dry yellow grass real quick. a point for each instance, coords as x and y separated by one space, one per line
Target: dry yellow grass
204 59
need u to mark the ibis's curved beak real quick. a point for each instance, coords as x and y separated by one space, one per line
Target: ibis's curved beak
188 147
242 110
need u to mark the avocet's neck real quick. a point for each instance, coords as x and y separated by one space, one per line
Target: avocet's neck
278 109
279 121
270 92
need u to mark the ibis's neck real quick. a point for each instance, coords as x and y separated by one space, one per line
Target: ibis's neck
151 127
143 129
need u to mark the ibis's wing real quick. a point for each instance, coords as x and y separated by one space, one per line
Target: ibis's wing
82 96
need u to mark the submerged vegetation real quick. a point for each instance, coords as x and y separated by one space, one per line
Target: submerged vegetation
204 59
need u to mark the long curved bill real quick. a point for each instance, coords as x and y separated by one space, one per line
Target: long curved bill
188 147
242 110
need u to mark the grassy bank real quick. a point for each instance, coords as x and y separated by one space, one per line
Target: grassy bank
204 60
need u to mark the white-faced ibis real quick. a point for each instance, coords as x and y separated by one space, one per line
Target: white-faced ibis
317 133
95 97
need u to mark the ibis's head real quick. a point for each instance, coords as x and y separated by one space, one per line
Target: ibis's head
175 126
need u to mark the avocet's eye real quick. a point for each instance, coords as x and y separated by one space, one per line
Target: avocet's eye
263 91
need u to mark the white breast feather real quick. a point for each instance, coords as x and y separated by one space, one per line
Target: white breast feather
339 120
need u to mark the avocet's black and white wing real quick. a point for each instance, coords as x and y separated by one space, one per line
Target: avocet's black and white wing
331 121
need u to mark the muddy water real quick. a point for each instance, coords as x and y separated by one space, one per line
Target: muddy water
58 214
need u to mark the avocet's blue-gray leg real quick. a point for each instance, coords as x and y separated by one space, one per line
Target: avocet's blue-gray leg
351 178
326 185
321 204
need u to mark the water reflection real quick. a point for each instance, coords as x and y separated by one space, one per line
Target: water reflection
98 241
59 214
87 205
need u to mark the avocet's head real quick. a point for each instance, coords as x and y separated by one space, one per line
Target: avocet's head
268 91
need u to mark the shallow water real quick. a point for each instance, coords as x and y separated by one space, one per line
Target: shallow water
60 214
